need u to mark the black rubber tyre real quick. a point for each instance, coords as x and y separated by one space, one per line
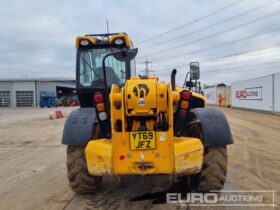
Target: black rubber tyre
214 168
79 178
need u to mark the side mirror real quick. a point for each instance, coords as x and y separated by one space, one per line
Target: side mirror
194 71
125 54
190 84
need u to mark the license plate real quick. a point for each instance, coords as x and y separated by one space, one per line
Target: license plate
142 140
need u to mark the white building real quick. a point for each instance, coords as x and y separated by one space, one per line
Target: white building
26 92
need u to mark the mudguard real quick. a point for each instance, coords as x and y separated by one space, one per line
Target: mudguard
78 127
215 128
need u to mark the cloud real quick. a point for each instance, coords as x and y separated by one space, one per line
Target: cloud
38 37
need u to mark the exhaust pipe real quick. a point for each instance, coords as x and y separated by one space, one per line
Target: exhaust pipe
173 74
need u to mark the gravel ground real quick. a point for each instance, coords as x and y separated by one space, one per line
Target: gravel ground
33 172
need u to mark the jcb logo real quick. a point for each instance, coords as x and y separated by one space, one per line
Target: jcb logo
141 90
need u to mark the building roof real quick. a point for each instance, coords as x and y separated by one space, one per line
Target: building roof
38 80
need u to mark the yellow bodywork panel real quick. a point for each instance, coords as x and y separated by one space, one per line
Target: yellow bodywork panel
111 39
122 36
185 157
79 38
99 157
140 97
194 94
154 161
188 153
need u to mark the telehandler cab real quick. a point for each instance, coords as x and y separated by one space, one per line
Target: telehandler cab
129 124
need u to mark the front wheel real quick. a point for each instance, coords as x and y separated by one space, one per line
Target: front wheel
79 178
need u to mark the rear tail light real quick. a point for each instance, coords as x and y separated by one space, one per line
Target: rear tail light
102 116
100 107
98 97
186 95
184 104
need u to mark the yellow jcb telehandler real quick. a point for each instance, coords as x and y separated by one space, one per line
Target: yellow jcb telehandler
129 124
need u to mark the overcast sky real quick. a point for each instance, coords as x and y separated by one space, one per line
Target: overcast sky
233 40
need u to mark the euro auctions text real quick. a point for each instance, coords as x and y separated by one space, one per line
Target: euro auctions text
223 198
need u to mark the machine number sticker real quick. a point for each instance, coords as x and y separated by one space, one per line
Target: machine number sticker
141 102
162 136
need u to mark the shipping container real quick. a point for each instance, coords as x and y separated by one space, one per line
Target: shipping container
218 95
253 93
210 95
224 94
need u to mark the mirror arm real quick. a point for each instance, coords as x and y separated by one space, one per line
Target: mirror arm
104 73
185 81
124 54
104 66
190 88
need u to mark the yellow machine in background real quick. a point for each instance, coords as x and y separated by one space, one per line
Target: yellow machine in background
131 124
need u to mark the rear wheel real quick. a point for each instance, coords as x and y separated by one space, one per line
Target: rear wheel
214 168
79 178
